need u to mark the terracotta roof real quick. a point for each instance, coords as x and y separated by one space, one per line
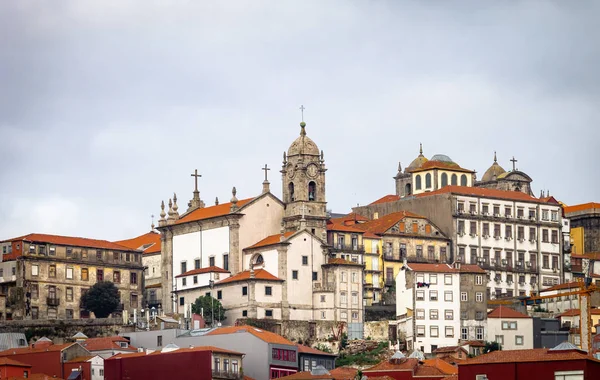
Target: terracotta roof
474 343
590 255
569 285
212 269
106 343
371 235
506 312
442 365
271 240
306 375
342 373
265 336
549 199
582 207
441 165
210 212
448 349
471 268
482 192
10 362
386 365
576 312
385 222
148 242
309 350
342 227
29 349
530 355
71 241
81 359
340 261
385 199
125 355
259 274
352 218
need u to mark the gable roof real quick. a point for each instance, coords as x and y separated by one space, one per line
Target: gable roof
442 365
530 355
259 274
70 241
148 242
271 240
265 336
30 349
107 343
482 192
385 199
576 312
210 212
309 350
211 269
582 207
473 343
506 312
385 222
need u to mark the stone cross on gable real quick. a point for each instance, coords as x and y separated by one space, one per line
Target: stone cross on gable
514 161
196 176
265 169
303 209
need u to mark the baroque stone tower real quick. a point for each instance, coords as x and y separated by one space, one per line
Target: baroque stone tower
303 175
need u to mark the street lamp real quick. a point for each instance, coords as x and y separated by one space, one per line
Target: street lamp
211 283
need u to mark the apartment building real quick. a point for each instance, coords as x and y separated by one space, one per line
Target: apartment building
53 272
439 305
513 330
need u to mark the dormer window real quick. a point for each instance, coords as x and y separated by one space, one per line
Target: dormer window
123 344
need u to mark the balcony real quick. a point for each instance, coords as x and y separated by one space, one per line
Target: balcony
226 375
53 301
394 254
352 248
328 287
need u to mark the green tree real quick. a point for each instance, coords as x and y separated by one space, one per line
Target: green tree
209 306
491 346
101 299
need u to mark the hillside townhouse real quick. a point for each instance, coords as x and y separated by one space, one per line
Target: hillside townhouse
514 236
439 305
51 273
513 330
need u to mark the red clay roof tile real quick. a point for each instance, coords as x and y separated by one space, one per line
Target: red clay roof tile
259 274
148 242
582 207
107 343
265 336
30 349
340 261
385 222
211 269
385 199
530 355
482 192
271 240
506 312
71 241
210 212
10 362
568 285
309 350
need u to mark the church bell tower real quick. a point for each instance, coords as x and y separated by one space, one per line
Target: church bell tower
303 175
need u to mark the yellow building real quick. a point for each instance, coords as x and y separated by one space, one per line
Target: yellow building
585 227
373 287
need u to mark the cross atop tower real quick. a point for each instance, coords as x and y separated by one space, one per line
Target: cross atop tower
265 169
302 108
514 161
196 176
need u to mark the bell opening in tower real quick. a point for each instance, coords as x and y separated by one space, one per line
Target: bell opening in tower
291 191
312 189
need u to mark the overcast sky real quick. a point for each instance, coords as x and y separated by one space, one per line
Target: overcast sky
106 107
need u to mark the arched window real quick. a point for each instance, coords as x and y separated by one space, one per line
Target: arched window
291 191
454 180
444 179
418 182
463 180
407 189
257 261
312 191
428 180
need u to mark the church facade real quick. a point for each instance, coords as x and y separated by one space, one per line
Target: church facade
261 257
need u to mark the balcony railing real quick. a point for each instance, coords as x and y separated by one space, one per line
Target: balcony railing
327 287
225 375
53 301
348 247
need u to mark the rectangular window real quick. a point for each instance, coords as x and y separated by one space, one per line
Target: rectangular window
433 314
508 231
159 341
84 274
464 333
244 313
99 255
183 267
420 277
554 236
184 281
354 277
304 260
196 264
343 298
322 298
315 276
479 333
420 295
473 228
434 331
127 257
499 339
519 340
355 298
448 296
485 209
420 330
464 297
69 273
448 279
211 261
35 312
420 313
244 290
449 315
268 291
52 271
99 275
69 294
464 315
545 236
461 227
554 216
497 231
117 277
479 297
219 294
433 279
294 275
195 279
443 257
486 229
134 300
344 277
449 332
433 295
35 291
226 261
269 313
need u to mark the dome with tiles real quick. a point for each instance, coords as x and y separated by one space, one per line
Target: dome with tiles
418 162
494 172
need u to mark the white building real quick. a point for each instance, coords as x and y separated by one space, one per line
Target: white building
428 305
512 329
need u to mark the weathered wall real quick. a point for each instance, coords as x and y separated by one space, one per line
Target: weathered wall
60 332
377 330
